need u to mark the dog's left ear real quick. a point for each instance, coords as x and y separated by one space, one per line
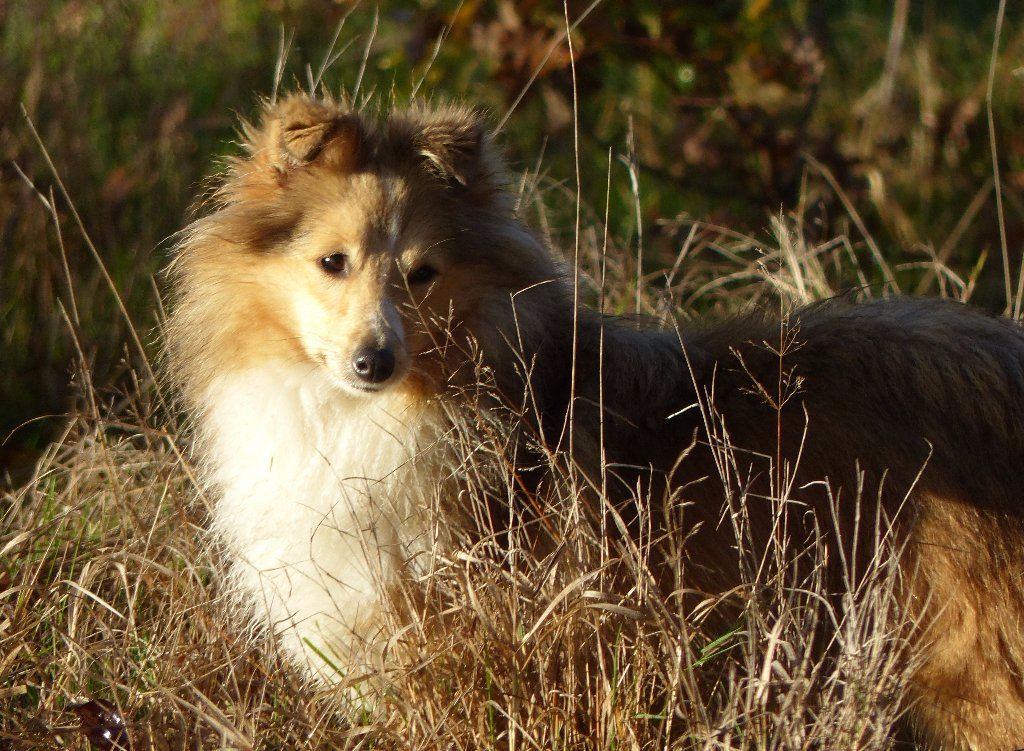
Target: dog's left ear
452 148
457 146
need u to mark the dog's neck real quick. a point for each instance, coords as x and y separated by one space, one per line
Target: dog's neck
277 424
615 379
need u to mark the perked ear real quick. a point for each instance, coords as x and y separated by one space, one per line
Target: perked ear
298 131
454 143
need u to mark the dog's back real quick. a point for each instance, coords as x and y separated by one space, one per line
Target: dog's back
901 385
894 415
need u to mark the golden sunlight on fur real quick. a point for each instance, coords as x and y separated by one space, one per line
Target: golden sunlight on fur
357 278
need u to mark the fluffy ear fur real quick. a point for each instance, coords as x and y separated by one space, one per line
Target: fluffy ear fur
452 147
299 130
293 133
455 144
310 131
451 143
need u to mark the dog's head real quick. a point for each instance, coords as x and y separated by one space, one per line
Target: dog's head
362 245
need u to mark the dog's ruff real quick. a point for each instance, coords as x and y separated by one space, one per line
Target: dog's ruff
322 503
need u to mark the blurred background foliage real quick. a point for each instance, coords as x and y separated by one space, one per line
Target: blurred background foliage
727 113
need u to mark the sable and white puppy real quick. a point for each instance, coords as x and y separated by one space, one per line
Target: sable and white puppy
352 272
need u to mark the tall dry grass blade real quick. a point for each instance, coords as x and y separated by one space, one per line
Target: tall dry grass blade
631 161
544 61
284 48
366 53
100 265
438 43
852 212
951 242
330 56
576 229
1013 304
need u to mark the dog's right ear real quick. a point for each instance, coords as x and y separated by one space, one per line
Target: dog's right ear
298 131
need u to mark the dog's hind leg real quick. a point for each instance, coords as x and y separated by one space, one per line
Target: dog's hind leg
966 584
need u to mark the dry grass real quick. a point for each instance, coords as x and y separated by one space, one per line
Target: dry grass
109 587
109 592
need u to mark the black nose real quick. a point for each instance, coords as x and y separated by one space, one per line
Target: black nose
374 365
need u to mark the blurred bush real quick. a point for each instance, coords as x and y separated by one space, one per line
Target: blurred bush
713 106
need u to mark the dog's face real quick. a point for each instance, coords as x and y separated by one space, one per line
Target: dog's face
372 251
373 279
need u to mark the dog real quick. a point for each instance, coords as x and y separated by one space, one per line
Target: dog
353 272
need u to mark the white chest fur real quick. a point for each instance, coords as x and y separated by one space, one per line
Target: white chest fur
323 498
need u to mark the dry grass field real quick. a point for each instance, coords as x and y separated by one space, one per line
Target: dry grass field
111 594
115 632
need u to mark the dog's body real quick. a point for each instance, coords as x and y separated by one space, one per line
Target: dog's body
353 275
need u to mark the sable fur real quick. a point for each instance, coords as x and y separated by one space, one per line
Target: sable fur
911 406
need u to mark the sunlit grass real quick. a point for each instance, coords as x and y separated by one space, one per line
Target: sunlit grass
110 593
109 586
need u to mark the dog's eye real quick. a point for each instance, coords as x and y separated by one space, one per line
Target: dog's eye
335 264
421 275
